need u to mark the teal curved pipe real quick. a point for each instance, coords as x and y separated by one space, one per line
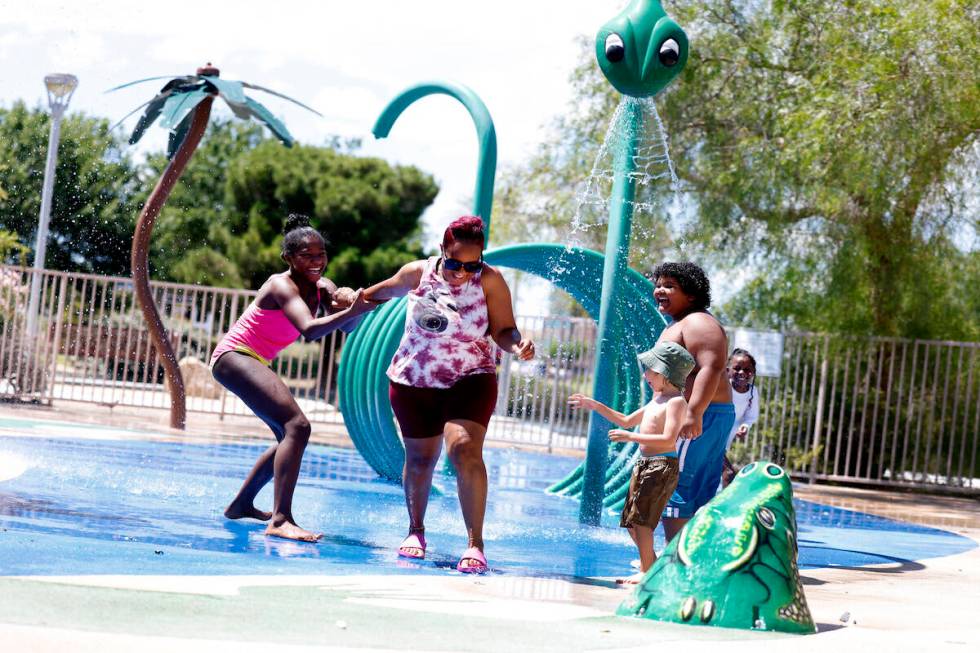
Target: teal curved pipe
363 386
486 167
368 351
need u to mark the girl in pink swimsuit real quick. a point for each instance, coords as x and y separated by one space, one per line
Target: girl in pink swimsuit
443 378
285 308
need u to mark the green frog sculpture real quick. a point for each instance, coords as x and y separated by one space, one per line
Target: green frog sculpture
734 564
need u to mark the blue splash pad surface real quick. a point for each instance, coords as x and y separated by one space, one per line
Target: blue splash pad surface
94 506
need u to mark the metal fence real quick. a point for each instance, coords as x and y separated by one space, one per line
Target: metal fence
88 343
532 400
872 410
879 411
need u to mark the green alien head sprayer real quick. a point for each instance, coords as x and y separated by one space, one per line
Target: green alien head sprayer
639 51
734 564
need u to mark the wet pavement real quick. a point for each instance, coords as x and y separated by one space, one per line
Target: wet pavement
125 506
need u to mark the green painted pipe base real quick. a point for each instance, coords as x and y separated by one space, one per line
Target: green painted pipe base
363 386
734 564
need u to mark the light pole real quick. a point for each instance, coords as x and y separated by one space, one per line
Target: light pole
60 87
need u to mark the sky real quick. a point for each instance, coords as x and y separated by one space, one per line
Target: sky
347 60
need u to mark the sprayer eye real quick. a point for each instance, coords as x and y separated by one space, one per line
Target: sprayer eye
615 51
670 52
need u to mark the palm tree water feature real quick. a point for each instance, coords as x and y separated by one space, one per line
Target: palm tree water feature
185 106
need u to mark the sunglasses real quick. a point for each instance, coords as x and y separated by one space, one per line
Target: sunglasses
454 265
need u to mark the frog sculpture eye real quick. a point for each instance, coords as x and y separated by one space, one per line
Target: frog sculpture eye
615 50
670 52
775 471
745 471
766 518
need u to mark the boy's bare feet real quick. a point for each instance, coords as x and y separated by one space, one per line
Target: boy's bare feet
291 531
635 579
238 511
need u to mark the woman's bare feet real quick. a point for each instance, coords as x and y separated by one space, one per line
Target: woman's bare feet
291 531
238 511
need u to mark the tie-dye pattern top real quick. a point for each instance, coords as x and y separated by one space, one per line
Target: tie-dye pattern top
445 333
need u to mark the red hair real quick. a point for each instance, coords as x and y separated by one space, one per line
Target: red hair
465 229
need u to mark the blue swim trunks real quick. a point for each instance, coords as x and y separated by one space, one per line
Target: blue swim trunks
700 462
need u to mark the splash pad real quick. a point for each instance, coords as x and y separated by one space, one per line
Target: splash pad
91 500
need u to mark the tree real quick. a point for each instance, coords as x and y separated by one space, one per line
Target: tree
11 249
222 224
827 151
196 219
93 207
368 210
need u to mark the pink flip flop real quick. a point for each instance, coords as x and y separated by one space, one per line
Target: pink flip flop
413 541
476 555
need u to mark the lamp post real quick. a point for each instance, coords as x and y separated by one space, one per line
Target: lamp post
60 87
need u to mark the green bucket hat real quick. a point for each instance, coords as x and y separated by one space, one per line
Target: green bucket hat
669 359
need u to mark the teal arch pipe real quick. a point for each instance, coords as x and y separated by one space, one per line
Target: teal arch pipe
363 385
486 166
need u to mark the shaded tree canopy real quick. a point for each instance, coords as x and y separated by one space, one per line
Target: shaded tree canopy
827 155
223 223
368 210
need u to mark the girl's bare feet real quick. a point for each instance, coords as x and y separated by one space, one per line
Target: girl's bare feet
238 511
291 531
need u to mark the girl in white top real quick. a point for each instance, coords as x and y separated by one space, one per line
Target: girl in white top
745 396
741 374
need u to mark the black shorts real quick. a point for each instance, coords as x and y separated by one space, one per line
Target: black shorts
423 412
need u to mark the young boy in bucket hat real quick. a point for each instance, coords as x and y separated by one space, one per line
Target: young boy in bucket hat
665 369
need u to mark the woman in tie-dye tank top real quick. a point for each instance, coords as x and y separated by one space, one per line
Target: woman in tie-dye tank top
443 378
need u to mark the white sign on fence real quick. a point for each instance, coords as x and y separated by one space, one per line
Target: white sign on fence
765 346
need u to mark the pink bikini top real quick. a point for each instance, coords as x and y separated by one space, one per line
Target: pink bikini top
261 332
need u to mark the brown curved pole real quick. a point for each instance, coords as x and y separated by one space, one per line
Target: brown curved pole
141 246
